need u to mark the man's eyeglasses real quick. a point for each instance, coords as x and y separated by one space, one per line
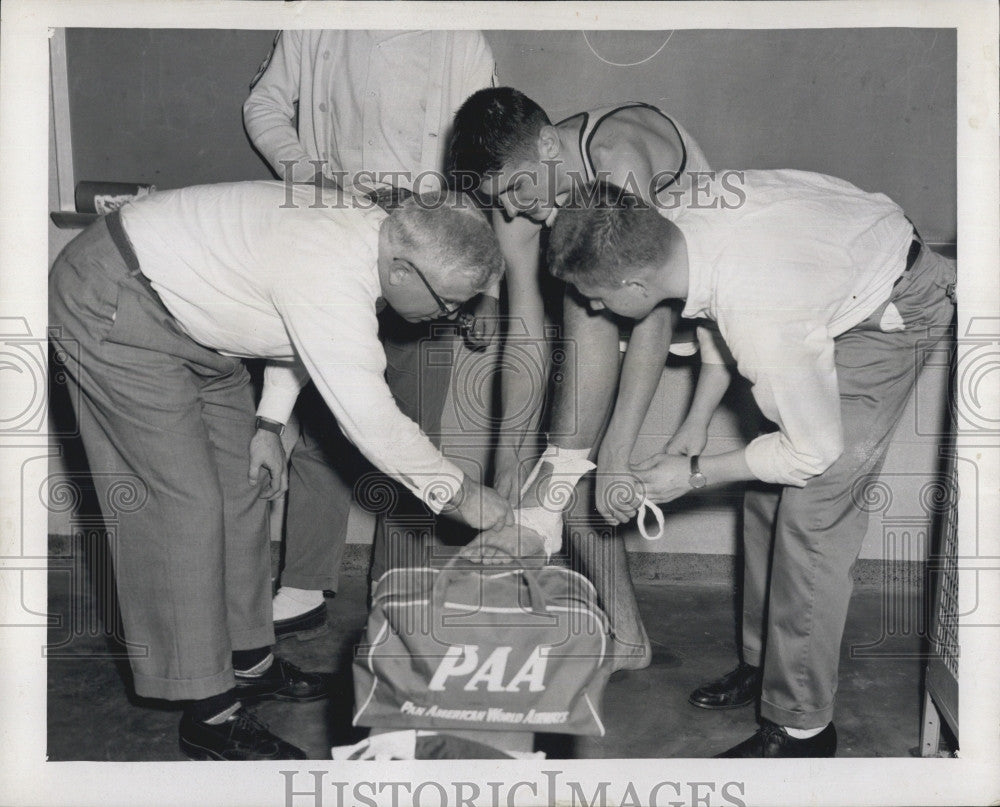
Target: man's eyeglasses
445 309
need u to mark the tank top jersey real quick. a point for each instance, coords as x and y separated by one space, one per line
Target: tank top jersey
692 161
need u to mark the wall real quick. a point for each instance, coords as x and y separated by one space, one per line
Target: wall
163 106
874 106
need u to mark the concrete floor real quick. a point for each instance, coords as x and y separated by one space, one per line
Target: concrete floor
92 714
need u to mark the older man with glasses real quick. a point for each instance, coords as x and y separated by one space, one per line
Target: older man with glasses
154 308
447 309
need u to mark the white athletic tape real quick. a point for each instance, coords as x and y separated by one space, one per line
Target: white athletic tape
568 466
546 523
648 506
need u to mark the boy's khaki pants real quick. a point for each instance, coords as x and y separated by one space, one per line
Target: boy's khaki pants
794 622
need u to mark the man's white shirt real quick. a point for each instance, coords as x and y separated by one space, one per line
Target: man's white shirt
800 260
259 270
378 101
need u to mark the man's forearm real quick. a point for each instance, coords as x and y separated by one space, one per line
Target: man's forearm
282 383
713 381
722 469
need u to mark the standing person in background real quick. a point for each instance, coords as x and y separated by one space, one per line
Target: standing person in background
371 109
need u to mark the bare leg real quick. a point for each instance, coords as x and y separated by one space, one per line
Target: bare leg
599 550
581 408
583 399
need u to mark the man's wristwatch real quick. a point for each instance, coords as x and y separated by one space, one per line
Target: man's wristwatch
697 478
269 425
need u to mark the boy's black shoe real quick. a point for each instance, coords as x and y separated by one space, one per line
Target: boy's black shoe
240 737
739 687
772 742
283 681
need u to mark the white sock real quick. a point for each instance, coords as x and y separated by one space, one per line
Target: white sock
224 715
260 667
802 734
291 602
546 523
568 466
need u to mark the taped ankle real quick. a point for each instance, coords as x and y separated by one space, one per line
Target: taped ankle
559 470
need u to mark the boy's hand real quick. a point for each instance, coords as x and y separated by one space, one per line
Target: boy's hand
505 480
616 492
664 477
481 507
267 452
485 323
689 439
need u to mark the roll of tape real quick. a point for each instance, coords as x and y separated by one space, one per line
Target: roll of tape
105 197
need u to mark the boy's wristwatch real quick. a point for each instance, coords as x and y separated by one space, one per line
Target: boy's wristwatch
697 478
269 425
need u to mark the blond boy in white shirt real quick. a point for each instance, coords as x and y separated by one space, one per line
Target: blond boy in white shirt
828 300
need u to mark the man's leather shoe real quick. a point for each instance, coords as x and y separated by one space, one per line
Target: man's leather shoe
740 687
307 625
241 737
283 681
772 742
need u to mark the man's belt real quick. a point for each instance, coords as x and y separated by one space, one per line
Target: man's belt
911 257
120 237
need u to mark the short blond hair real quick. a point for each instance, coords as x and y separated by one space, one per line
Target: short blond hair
603 234
453 232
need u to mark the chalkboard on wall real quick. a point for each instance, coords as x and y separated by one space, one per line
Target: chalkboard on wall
163 106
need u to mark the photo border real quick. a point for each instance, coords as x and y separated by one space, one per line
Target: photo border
25 776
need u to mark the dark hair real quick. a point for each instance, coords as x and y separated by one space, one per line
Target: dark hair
602 233
492 127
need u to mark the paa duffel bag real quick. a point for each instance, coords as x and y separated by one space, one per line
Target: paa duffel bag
484 647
